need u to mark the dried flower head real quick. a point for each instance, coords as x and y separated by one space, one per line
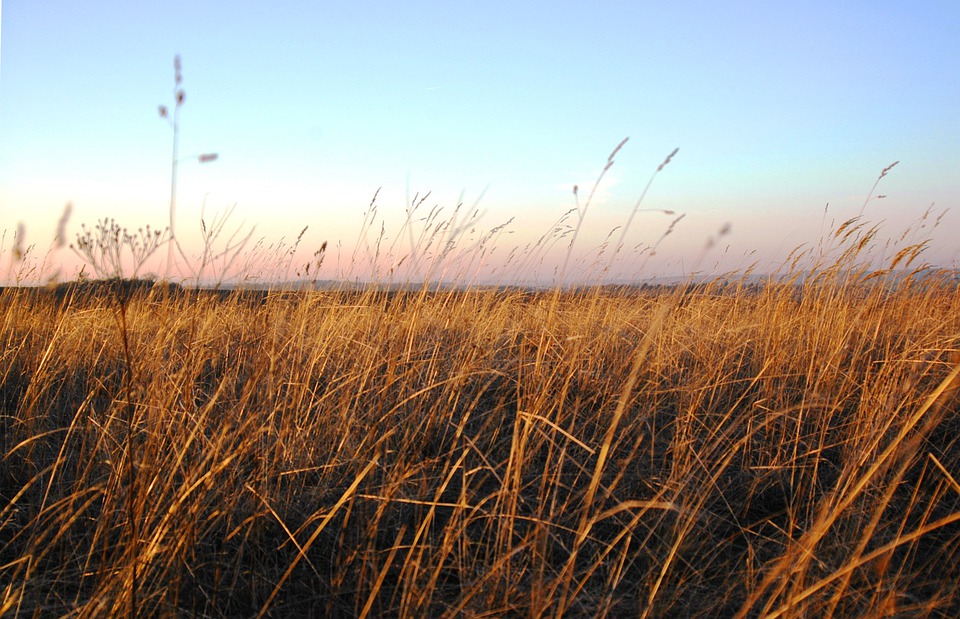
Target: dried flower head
61 237
617 149
667 160
18 250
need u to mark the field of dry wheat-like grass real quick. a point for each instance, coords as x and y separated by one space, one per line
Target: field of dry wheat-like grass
788 450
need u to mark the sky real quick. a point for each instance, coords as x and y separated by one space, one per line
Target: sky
785 114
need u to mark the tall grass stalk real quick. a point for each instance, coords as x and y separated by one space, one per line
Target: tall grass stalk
179 96
581 211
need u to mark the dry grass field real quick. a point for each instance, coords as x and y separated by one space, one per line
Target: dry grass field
787 450
748 447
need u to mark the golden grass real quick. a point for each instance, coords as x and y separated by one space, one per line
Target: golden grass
787 450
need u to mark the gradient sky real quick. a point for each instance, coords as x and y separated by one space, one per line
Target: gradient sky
777 108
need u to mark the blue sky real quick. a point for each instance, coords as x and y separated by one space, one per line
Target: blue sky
777 109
